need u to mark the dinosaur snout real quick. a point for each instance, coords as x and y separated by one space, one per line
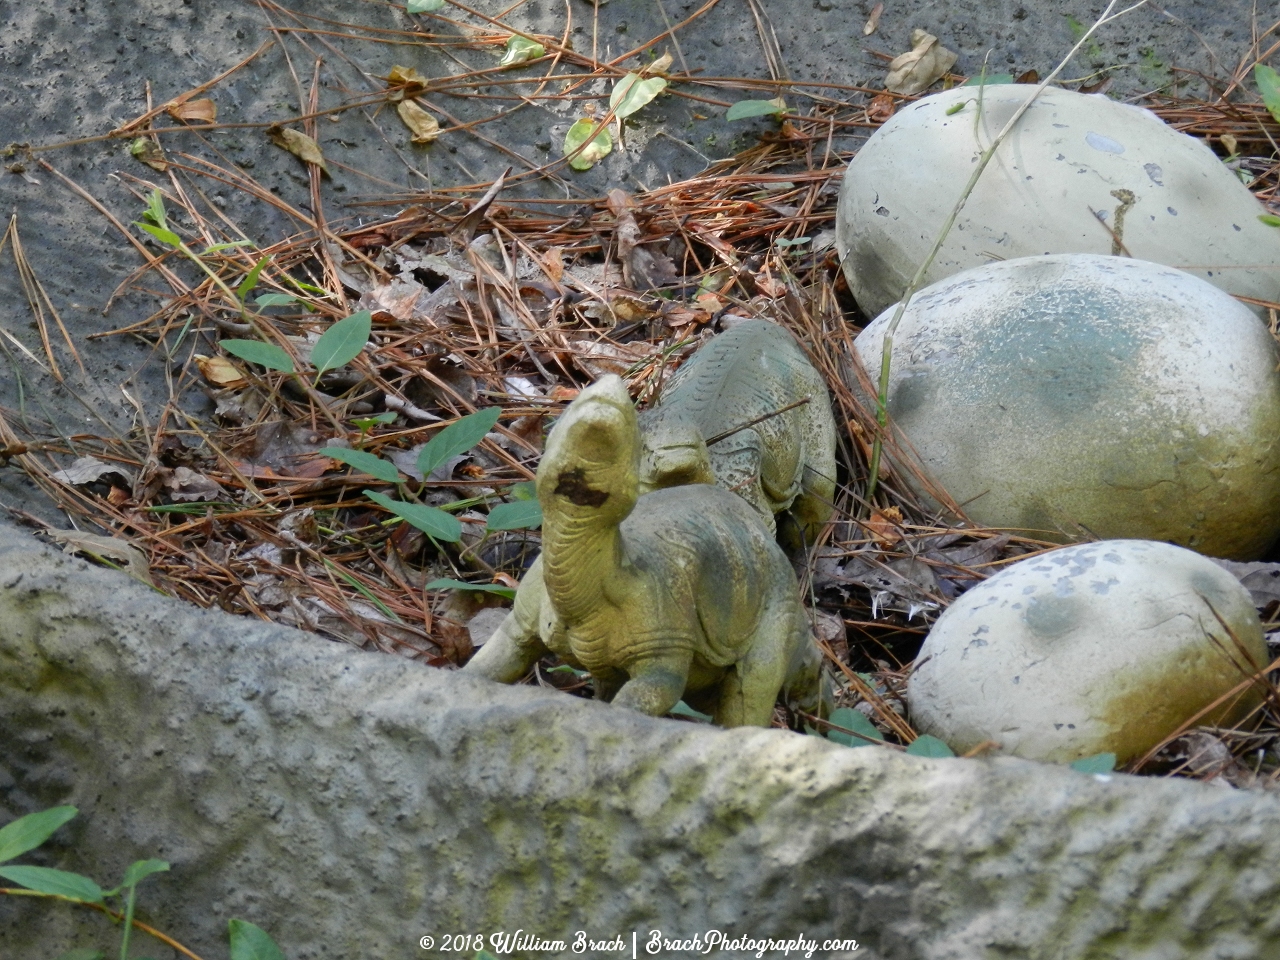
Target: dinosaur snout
600 425
593 451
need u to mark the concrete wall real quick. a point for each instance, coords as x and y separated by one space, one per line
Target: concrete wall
351 803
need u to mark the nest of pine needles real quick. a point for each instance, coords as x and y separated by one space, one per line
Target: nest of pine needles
223 497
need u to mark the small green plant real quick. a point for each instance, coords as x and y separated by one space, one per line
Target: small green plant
746 109
248 942
521 50
1268 82
853 729
435 522
338 345
927 745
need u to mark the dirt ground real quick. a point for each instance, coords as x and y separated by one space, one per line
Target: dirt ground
76 72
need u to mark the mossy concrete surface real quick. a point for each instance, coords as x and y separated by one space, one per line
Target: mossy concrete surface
350 804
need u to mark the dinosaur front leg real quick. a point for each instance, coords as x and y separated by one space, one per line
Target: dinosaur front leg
509 654
656 685
517 644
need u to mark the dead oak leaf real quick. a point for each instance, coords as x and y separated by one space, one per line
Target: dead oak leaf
220 371
299 144
885 527
423 126
407 77
916 70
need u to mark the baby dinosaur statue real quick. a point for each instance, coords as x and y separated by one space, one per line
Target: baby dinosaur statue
679 593
781 462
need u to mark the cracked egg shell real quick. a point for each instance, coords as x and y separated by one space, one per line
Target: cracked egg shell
1071 154
1095 648
1082 396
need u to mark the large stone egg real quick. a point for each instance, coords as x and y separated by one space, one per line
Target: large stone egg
1099 647
1170 199
1082 396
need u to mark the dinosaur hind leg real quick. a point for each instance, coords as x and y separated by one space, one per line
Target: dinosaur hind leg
750 689
807 688
811 509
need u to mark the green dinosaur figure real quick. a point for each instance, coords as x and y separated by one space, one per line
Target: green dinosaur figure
679 593
786 461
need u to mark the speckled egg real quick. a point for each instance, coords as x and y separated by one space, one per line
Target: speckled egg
1098 647
1078 174
1084 396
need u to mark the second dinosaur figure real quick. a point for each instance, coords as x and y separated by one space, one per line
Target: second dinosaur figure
784 462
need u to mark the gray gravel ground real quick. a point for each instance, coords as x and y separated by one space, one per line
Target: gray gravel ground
76 71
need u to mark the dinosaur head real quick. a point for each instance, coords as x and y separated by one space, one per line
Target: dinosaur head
672 452
592 457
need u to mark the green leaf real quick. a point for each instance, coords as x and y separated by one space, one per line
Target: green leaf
366 422
599 147
782 242
682 709
520 515
929 746
365 462
447 583
160 233
251 942
855 721
989 80
745 109
527 490
631 93
57 882
565 668
255 351
82 954
155 209
275 300
457 438
226 246
27 833
1269 86
1269 219
342 342
139 870
430 520
423 6
520 49
1098 763
251 279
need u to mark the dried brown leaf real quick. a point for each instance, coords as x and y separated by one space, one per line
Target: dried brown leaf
299 144
873 20
424 127
409 78
659 67
220 371
642 269
881 108
915 71
105 548
203 110
149 152
185 485
91 470
885 527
